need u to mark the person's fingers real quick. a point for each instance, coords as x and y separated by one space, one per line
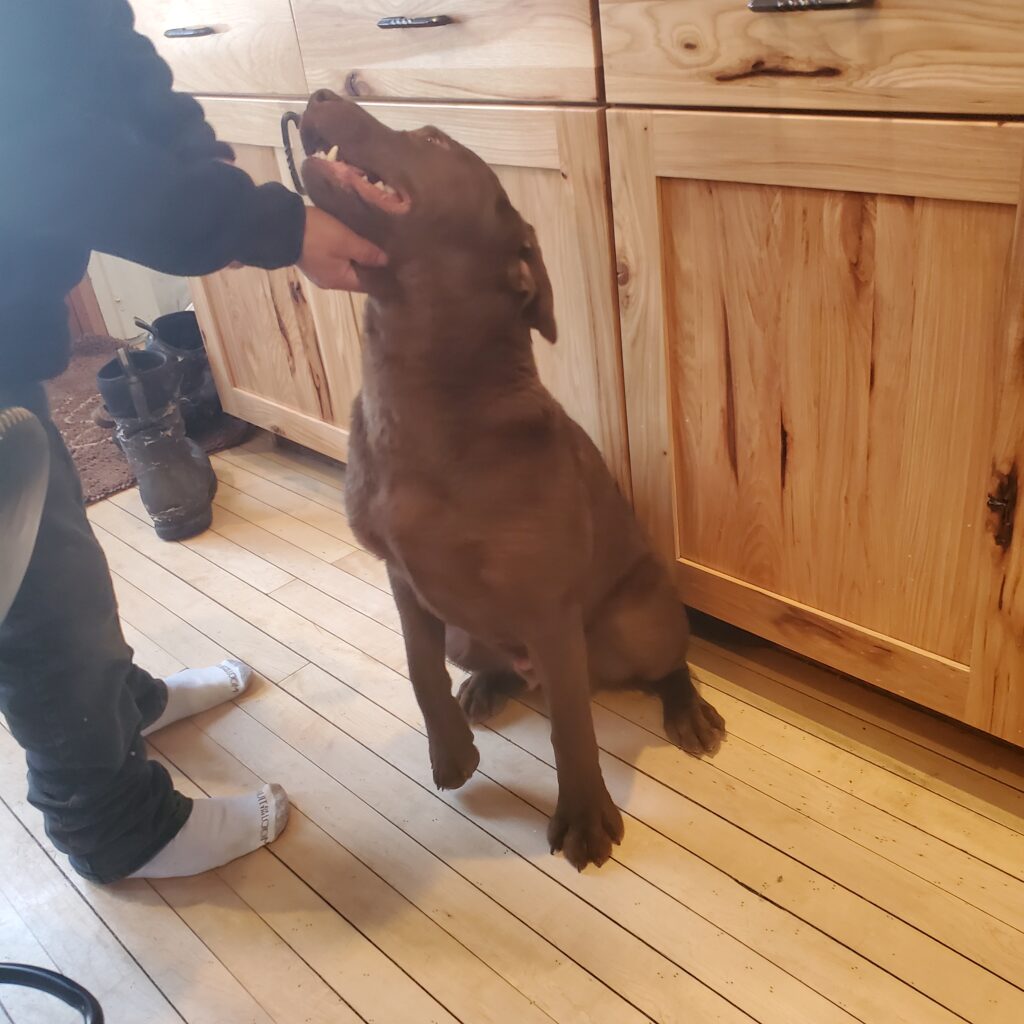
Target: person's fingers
341 276
348 280
358 249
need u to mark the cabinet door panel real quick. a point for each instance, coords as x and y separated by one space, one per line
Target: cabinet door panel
816 456
265 333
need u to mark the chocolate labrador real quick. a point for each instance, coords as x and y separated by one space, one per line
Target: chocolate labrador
508 544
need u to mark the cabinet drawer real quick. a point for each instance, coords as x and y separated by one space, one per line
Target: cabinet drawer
906 55
239 46
491 49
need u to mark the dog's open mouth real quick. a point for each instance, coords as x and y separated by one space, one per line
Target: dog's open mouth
370 187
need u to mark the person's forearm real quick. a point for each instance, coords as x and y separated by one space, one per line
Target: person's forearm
98 151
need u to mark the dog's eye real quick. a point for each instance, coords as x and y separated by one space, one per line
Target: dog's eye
435 137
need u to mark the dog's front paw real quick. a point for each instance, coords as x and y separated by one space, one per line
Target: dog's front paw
454 763
697 728
585 830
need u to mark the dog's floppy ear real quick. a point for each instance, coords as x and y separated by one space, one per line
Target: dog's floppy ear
533 283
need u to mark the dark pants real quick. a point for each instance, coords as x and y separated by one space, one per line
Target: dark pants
73 697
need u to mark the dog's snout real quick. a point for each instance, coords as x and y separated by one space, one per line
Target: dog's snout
324 96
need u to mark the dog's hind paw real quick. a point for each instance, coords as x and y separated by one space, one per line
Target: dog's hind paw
484 694
696 727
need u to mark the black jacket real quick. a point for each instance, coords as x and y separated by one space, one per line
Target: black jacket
98 152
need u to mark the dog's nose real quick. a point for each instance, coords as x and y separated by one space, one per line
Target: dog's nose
324 96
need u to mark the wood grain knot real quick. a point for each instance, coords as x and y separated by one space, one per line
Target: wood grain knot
356 86
762 69
622 274
1002 505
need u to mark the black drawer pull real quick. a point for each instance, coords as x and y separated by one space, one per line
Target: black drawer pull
781 6
436 21
190 32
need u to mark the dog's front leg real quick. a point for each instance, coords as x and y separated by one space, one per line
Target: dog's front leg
453 755
586 822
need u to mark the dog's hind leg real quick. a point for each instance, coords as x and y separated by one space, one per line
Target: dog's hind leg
638 641
691 723
484 694
493 680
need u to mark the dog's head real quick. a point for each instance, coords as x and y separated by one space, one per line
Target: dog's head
435 208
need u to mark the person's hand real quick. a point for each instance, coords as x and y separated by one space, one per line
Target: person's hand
329 249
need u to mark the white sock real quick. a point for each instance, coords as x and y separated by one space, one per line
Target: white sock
199 689
219 830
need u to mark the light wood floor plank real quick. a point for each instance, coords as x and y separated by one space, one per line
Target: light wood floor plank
977 936
370 984
73 937
667 926
244 640
549 977
367 567
217 549
343 586
179 640
568 921
267 554
909 760
313 464
150 656
18 945
190 977
292 478
951 740
271 495
780 875
459 979
277 977
985 845
301 532
368 635
713 893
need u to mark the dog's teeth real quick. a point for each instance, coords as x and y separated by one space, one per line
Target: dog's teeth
380 186
332 153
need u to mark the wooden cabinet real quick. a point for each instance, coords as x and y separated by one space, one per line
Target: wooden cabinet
946 56
816 359
489 49
226 46
286 355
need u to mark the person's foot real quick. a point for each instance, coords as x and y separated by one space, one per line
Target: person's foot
198 689
219 830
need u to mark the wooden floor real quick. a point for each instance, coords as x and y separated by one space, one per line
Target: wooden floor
843 858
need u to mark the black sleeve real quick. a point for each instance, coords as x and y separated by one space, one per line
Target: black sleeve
98 150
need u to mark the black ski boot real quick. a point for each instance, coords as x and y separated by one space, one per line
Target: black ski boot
178 337
176 480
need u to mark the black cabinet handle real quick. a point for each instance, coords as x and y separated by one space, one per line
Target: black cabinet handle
435 21
781 6
190 32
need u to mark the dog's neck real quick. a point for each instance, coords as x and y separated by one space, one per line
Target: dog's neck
441 356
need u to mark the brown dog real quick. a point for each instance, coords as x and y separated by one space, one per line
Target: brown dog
506 539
